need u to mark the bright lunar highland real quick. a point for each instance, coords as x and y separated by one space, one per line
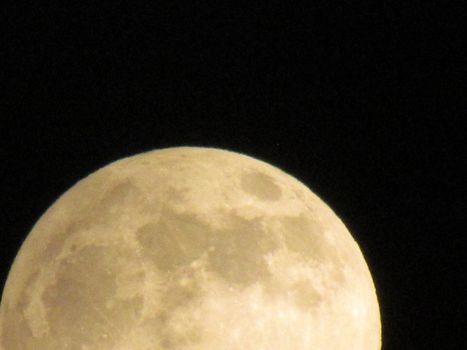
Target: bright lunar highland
189 248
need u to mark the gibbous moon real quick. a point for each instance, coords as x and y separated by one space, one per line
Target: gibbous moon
189 248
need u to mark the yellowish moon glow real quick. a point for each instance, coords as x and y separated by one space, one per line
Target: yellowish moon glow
189 248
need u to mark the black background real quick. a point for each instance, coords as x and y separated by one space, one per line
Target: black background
361 102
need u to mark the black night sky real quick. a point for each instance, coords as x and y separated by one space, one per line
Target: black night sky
361 102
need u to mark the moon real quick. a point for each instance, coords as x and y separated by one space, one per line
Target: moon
189 248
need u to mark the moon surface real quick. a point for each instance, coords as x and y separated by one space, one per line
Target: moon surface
189 248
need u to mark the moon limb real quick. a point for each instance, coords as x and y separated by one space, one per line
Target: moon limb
189 248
